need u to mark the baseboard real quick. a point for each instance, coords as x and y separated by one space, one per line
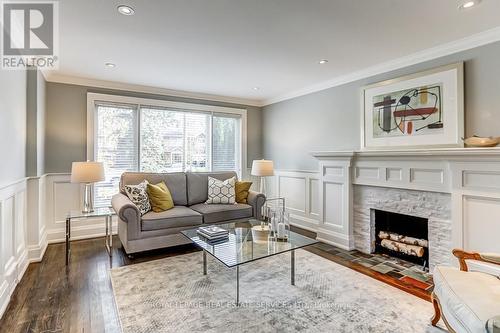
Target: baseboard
335 239
15 273
36 252
24 263
4 299
304 222
79 233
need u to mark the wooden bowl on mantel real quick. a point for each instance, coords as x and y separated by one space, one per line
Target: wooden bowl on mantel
479 142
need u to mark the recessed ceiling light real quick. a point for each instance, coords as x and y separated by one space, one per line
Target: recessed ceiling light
110 65
465 4
126 10
256 88
322 61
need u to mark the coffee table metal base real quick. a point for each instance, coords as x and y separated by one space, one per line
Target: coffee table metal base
292 273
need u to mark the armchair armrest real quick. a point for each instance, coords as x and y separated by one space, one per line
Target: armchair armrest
462 256
256 200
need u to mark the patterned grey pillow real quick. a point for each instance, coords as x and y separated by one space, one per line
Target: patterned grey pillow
139 196
221 192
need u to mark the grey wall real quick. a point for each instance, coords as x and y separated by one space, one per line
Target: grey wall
330 119
35 122
41 93
66 123
12 125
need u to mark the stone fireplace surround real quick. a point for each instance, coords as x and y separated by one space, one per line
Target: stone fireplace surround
456 189
436 207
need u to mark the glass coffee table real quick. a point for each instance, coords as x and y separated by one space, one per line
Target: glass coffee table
241 247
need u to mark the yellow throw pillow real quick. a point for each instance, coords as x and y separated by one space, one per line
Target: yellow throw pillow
241 189
160 197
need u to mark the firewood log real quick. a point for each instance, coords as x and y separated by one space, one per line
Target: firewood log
403 239
412 250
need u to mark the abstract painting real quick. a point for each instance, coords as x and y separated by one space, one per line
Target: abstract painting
421 110
415 111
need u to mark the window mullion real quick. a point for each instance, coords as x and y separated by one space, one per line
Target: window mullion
138 136
184 152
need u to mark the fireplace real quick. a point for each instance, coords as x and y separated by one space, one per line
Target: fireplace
401 236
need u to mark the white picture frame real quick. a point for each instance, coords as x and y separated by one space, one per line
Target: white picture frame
406 128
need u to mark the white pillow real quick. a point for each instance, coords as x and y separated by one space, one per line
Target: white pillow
221 192
138 195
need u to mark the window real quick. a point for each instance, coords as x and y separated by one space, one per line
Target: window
116 145
131 134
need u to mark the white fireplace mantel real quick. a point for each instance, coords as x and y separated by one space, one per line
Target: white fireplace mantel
470 175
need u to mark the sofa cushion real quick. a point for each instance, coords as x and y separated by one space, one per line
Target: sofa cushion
179 216
221 192
176 183
219 213
160 197
139 196
469 298
197 184
242 189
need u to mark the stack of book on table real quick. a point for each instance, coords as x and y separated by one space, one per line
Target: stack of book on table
213 234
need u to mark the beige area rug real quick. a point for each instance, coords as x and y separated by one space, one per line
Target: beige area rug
172 295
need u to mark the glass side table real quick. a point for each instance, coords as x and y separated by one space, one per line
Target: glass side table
107 213
493 325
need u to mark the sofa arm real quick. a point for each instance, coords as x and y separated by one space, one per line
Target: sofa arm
462 256
126 210
256 200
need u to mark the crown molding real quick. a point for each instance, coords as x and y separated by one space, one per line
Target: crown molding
51 76
470 42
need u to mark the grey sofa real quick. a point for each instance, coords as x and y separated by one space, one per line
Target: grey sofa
189 192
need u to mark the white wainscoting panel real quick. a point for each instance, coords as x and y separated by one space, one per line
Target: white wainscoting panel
335 197
301 192
314 197
61 197
334 200
297 186
481 227
13 239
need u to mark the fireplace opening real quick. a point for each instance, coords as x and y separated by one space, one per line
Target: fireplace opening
402 236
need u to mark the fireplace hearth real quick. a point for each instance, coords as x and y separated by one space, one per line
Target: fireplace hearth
401 236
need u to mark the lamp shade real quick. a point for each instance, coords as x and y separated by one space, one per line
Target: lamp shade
87 172
262 168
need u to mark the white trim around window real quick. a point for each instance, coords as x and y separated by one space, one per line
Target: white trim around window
93 98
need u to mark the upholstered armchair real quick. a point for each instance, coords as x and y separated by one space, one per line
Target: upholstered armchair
467 299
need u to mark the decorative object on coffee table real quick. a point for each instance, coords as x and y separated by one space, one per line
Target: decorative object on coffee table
262 169
261 233
415 111
283 226
87 173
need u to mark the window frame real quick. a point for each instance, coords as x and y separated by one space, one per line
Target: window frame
94 98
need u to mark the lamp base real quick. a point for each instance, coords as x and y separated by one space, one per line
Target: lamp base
88 199
263 185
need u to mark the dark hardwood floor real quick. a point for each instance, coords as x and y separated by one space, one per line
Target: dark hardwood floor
79 298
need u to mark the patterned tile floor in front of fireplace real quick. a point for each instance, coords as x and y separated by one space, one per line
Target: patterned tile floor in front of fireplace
395 271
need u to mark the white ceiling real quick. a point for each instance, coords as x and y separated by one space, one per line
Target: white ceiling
227 47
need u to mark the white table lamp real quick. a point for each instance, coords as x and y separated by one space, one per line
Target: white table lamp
262 168
87 173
